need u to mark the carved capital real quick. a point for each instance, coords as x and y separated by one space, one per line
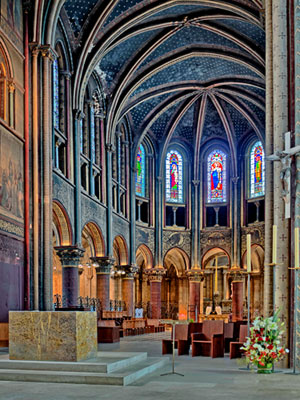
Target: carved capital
129 271
102 265
11 86
237 273
235 179
110 148
78 115
195 275
48 52
155 274
195 182
70 255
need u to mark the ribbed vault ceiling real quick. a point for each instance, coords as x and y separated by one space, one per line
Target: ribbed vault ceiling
189 70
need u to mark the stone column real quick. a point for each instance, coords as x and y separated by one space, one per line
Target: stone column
237 294
47 57
78 116
236 224
70 257
297 143
128 288
195 276
158 223
280 126
268 306
11 94
103 268
195 225
109 150
155 276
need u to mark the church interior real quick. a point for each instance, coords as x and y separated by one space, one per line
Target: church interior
150 161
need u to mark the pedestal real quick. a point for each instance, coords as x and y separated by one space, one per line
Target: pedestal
52 336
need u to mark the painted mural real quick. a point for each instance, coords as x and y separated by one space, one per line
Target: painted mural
11 20
11 177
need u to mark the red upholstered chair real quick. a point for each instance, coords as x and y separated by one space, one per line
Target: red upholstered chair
108 332
228 335
182 342
209 343
235 347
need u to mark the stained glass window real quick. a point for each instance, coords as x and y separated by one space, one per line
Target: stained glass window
216 177
257 170
140 172
93 146
174 177
55 94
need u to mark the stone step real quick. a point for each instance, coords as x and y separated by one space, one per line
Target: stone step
106 362
123 377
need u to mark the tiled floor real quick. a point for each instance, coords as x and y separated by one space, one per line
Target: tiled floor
204 378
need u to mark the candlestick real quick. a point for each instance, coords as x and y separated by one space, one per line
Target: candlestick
216 276
274 249
248 253
296 247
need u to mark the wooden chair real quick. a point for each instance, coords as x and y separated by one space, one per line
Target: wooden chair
182 342
3 334
228 335
235 347
209 343
194 327
108 332
153 325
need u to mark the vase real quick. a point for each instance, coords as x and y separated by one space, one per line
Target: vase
266 369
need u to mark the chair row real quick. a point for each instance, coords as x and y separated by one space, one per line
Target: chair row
210 338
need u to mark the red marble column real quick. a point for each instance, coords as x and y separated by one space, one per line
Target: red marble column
155 278
127 295
195 276
70 257
155 298
103 267
237 301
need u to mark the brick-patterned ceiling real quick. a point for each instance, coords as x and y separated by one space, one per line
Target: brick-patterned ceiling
164 60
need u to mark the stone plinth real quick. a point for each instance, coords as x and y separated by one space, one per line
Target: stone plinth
52 336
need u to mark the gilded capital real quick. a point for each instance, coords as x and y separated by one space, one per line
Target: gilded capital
70 255
155 274
195 275
103 264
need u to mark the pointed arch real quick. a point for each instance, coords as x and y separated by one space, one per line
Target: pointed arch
120 250
144 256
93 230
62 225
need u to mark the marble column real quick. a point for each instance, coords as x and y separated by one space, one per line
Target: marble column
237 294
128 288
70 257
280 127
195 276
103 268
237 301
78 116
155 276
158 223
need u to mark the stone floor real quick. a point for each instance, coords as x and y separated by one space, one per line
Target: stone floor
204 378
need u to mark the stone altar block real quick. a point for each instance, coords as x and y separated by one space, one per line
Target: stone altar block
52 336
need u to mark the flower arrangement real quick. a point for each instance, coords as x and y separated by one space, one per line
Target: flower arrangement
263 347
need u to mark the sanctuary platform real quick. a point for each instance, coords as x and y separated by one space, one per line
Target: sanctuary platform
52 336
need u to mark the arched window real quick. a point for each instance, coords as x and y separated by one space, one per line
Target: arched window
55 94
140 172
216 177
257 170
174 177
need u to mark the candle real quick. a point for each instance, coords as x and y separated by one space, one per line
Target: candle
274 247
296 247
216 276
248 253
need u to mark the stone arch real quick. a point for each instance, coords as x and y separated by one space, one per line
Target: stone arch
94 232
62 226
174 285
256 280
216 283
257 258
120 250
93 243
144 257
